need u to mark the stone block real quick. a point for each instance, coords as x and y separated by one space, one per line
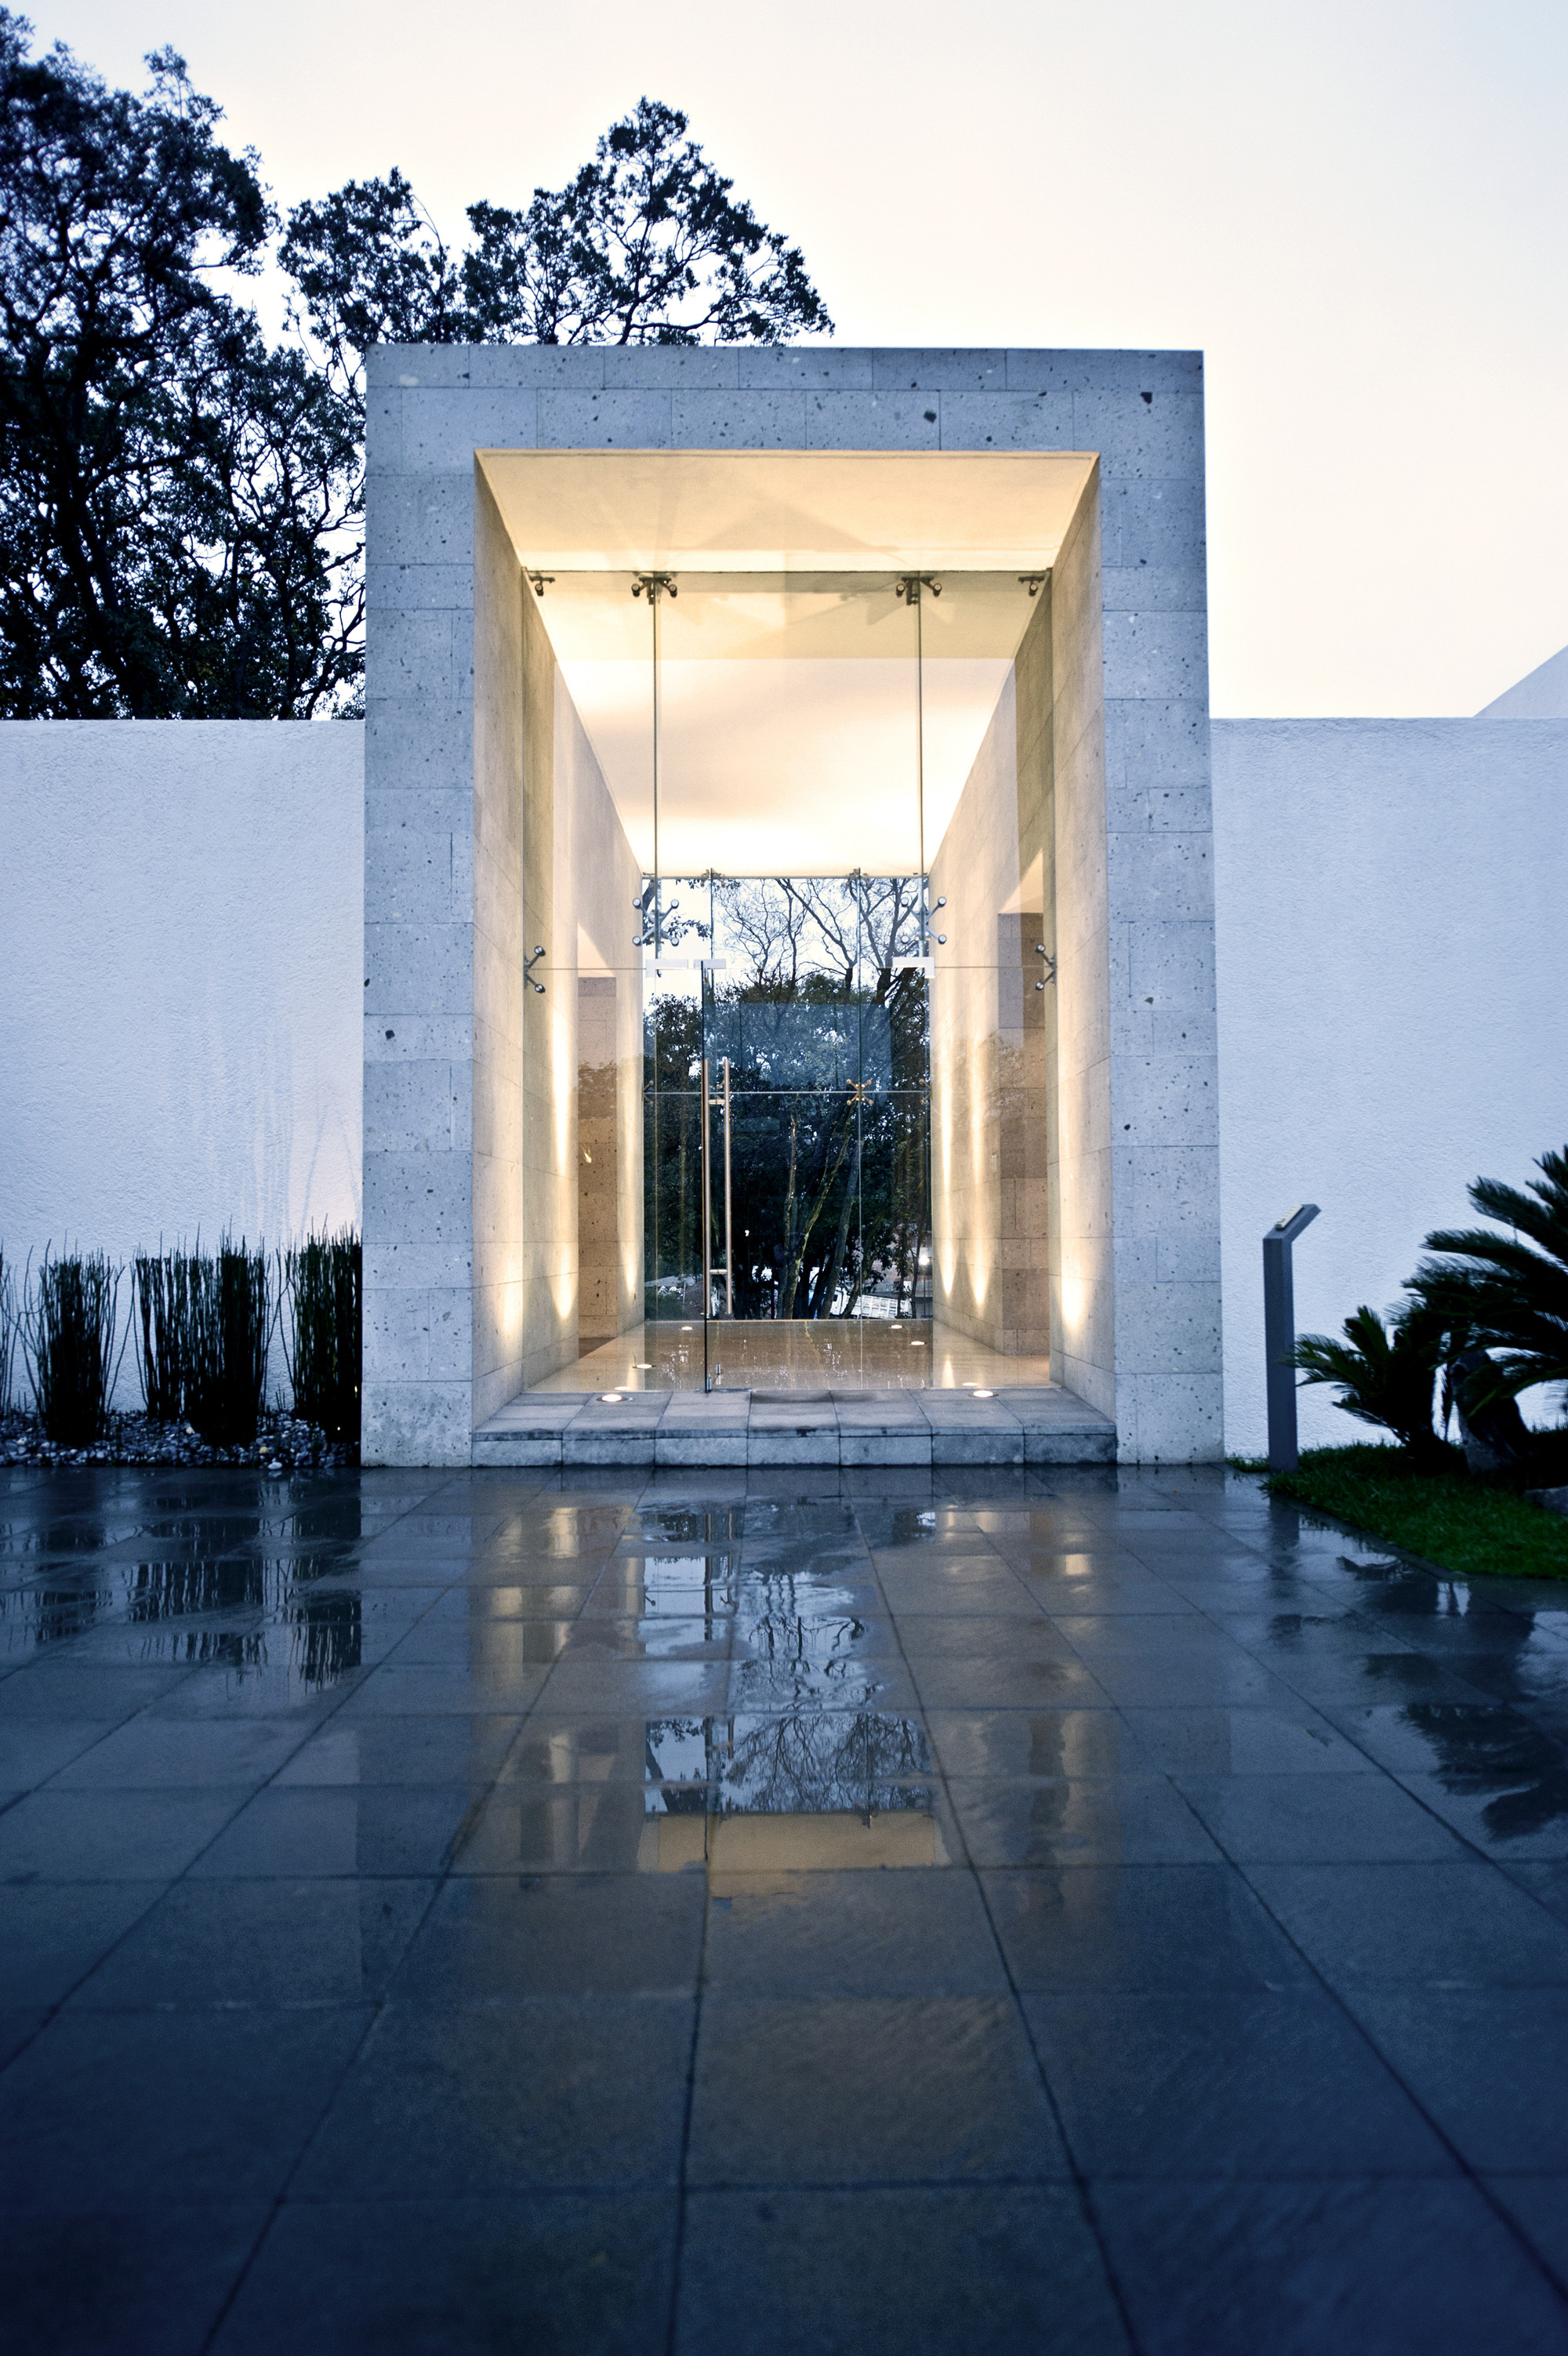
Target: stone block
420 519
392 367
912 368
1160 654
865 1447
774 368
418 1038
503 1449
671 367
1168 1329
408 874
804 1443
421 1198
601 421
414 1422
1171 965
695 1444
1152 589
576 368
1142 438
1016 421
418 588
410 656
393 1263
426 967
443 429
978 1443
1158 523
415 747
873 421
409 1108
1170 1100
1092 1445
1170 1418
739 420
1161 877
1105 372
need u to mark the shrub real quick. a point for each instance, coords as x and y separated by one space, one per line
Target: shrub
323 1278
164 1294
230 1328
68 1327
1514 1298
1385 1375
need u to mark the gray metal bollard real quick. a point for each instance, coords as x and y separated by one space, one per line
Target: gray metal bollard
1279 1334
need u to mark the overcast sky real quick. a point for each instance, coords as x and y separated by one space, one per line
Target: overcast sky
1355 207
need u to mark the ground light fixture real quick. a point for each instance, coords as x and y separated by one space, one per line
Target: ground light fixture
980 1394
1279 1335
609 1398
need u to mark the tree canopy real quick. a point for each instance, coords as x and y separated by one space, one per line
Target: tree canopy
181 501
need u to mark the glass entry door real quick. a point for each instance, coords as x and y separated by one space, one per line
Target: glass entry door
787 1125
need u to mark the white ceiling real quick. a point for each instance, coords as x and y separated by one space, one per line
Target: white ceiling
793 709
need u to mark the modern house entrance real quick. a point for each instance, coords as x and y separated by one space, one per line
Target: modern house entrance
807 929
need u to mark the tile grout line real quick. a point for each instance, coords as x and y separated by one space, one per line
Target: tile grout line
1080 2181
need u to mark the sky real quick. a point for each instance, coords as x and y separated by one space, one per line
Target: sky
1355 208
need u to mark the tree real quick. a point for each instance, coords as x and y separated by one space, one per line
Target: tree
181 504
646 245
178 502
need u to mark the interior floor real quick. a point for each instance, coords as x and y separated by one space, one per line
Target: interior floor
796 1353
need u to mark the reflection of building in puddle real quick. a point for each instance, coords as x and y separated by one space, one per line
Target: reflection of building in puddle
790 1843
817 1790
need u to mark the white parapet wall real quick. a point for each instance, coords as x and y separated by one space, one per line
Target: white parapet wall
181 979
1392 897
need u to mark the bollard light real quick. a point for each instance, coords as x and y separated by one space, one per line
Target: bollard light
1279 1334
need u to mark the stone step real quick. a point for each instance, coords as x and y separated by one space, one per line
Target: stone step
1044 1424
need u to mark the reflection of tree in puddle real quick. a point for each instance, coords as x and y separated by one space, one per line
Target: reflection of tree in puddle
1477 1747
816 1762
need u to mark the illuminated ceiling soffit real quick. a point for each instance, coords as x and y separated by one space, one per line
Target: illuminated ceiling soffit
771 511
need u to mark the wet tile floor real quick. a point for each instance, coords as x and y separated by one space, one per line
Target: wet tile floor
972 1913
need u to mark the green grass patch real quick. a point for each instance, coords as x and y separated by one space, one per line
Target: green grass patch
1465 1524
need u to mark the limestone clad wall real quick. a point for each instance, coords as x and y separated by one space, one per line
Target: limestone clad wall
1136 1291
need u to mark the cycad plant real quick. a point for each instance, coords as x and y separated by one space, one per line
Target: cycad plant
69 1326
323 1279
1510 1290
1386 1375
231 1327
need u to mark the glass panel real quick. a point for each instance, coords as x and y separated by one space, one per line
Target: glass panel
886 1038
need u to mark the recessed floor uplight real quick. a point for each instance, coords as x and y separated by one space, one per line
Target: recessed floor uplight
980 1394
685 1329
645 1365
894 1329
917 1345
610 1398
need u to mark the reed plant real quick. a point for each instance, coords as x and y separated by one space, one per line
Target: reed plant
230 1320
165 1293
8 1330
322 1278
69 1321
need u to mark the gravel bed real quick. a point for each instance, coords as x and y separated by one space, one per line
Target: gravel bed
284 1444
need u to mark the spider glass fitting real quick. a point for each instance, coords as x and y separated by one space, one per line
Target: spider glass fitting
527 970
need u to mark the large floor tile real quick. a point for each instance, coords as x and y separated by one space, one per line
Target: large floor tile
1487 2064
1012 1744
447 1749
509 1938
368 1829
1226 2084
1382 2267
543 2275
546 2095
1318 1819
867 2090
61 1835
904 1934
278 1943
1106 1820
1287 1738
1130 1928
52 1933
148 2284
121 2111
1462 1922
1012 2271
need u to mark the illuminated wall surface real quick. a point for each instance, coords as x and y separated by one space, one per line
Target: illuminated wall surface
839 718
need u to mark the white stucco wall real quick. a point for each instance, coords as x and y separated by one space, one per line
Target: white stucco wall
1392 899
181 945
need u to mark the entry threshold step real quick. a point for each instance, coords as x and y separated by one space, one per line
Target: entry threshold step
1044 1424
